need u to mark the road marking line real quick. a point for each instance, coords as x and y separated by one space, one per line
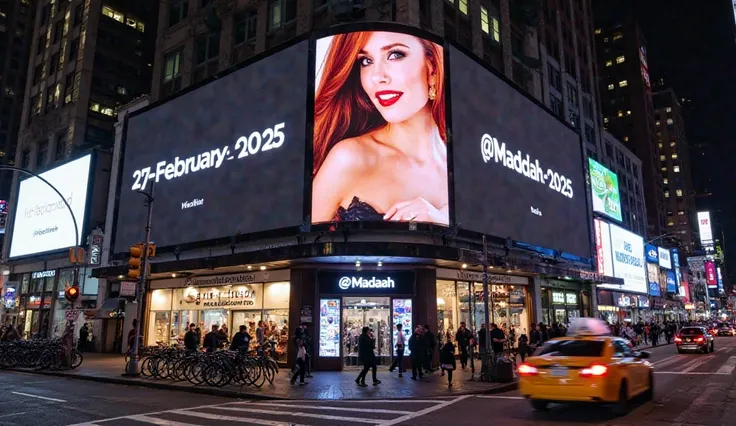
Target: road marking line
233 419
12 414
423 412
667 360
697 364
299 414
693 373
97 422
156 421
499 397
369 401
728 367
38 396
322 407
704 398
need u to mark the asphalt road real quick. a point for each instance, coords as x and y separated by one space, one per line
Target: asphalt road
691 389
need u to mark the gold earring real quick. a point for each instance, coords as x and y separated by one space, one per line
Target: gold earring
432 92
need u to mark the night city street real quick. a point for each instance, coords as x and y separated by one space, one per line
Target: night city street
691 389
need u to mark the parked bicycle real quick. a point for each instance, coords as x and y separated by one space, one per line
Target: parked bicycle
41 354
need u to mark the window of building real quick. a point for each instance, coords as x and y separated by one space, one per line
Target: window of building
611 86
572 94
662 158
668 109
664 169
674 156
597 31
666 194
620 114
626 138
669 121
485 24
681 213
673 143
679 192
620 59
618 36
555 78
623 83
660 145
78 14
102 109
207 52
25 159
60 146
49 99
56 63
172 73
111 13
37 72
178 11
73 49
58 29
676 169
68 88
246 23
609 63
609 149
605 120
280 13
589 133
42 153
666 181
657 123
555 105
41 46
463 6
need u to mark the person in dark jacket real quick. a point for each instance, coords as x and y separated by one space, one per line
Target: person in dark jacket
418 348
83 337
191 339
367 356
463 337
431 343
447 358
241 339
212 339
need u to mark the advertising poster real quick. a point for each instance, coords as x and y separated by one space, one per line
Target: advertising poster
628 259
652 253
719 278
705 229
603 254
380 141
653 279
711 278
518 171
604 184
42 221
329 328
664 258
232 164
402 313
671 282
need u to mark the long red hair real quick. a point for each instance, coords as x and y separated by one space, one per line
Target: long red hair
343 110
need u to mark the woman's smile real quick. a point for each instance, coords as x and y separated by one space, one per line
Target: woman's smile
388 97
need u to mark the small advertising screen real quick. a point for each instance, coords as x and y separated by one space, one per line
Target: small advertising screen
519 172
665 259
402 314
711 277
380 139
671 282
226 158
604 186
43 222
329 328
653 279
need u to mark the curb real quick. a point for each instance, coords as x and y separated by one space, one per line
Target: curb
152 384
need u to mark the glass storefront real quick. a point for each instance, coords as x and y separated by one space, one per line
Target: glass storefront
560 306
172 310
462 301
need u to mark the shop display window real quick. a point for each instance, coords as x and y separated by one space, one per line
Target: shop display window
277 330
372 312
447 319
402 313
180 321
159 328
24 281
329 328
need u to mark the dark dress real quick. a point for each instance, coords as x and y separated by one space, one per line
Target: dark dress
357 211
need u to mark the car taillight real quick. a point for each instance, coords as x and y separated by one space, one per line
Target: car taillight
527 370
678 339
595 370
699 339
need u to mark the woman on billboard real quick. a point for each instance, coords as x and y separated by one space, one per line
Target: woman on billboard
380 149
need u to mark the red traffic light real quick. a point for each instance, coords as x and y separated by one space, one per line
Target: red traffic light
71 293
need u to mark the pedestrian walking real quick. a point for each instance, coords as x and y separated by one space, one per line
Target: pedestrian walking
212 339
241 339
418 349
301 363
307 338
447 358
431 343
497 341
367 357
191 341
400 342
463 337
83 337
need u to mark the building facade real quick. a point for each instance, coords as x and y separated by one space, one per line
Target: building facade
675 169
626 101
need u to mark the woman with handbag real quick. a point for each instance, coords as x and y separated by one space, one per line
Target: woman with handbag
447 358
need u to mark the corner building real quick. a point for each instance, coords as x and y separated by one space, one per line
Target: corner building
341 270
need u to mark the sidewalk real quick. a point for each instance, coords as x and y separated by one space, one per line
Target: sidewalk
325 385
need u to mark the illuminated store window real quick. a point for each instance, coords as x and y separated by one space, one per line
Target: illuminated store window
623 83
676 169
620 59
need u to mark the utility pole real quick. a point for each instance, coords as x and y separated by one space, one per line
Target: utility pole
140 292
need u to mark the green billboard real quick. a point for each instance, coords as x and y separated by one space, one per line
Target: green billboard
604 184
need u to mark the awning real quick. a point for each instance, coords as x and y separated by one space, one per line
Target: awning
108 309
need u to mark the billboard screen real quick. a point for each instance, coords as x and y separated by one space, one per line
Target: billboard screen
226 158
628 259
664 258
671 282
42 221
653 279
705 229
603 253
604 186
652 253
380 139
518 171
710 274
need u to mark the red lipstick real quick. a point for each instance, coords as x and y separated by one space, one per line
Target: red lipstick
388 97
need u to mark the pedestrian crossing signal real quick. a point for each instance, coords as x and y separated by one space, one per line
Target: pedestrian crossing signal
71 293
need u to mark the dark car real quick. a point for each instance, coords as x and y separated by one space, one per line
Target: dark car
695 339
725 329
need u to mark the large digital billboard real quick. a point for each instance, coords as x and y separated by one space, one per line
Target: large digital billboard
518 171
604 257
604 186
226 158
42 220
625 251
664 258
705 229
711 277
380 140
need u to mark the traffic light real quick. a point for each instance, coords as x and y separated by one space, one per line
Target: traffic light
71 293
135 262
77 255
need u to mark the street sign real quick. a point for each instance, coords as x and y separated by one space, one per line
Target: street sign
71 314
127 288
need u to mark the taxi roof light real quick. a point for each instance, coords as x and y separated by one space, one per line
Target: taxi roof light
595 370
527 370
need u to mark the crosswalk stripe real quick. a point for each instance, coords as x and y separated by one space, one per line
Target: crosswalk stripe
298 414
233 419
697 364
324 407
668 360
728 367
156 421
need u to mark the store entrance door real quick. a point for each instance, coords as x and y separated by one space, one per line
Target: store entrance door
373 312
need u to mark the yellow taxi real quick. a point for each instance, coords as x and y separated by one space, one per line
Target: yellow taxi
588 365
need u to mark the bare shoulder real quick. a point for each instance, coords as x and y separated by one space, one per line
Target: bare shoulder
347 157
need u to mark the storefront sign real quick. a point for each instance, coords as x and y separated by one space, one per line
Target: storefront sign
664 258
219 280
652 253
43 274
558 297
366 282
643 302
305 314
216 297
571 298
459 275
95 249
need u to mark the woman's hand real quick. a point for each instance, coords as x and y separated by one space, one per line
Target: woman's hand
419 210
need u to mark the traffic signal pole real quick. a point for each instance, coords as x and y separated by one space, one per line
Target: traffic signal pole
140 294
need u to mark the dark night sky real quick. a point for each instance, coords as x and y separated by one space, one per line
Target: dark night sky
692 45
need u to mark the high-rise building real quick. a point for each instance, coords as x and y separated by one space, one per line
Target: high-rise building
16 23
674 157
626 100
